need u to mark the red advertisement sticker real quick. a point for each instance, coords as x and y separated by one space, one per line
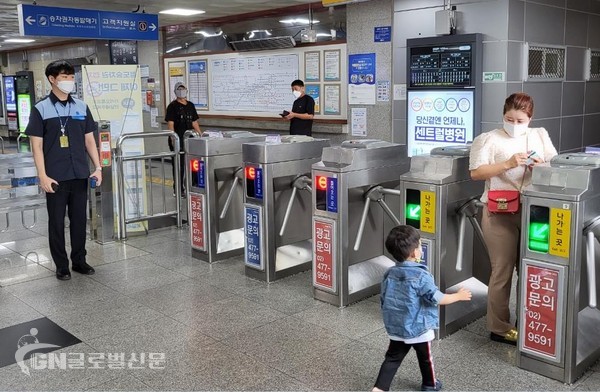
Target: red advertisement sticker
323 258
197 231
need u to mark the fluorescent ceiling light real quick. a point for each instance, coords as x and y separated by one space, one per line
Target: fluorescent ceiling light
206 35
323 35
19 40
173 49
181 12
267 32
298 21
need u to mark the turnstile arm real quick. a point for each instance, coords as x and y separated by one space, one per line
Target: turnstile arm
376 194
361 227
301 182
236 180
468 211
592 231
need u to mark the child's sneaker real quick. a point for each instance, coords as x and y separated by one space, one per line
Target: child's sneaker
437 387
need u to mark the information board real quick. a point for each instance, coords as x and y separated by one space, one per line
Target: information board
543 295
253 84
441 66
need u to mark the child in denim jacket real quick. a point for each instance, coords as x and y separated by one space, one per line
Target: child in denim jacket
409 304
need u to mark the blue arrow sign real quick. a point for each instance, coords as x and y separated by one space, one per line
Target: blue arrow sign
42 21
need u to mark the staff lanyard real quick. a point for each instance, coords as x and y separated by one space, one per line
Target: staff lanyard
63 126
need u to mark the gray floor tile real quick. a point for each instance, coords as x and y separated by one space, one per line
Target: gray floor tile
13 311
121 383
287 343
171 248
105 317
479 327
143 241
227 317
4 250
134 275
24 273
9 237
180 296
352 367
493 367
182 264
11 259
446 351
230 279
26 244
51 295
355 321
213 369
56 379
114 252
39 255
283 297
178 342
589 383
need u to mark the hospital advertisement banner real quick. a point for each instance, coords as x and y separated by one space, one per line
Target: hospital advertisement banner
439 118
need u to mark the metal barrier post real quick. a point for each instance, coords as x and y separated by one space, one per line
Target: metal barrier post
120 160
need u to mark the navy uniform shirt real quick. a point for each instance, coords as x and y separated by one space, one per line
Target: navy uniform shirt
62 163
303 105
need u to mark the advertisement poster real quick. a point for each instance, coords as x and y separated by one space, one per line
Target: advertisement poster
332 65
176 74
439 118
312 66
314 90
24 102
113 93
198 84
361 79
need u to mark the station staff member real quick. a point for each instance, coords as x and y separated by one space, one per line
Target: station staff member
303 111
61 132
181 116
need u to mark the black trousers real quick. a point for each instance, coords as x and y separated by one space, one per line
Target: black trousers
394 357
71 196
181 168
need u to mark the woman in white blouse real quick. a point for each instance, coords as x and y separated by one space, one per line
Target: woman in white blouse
504 159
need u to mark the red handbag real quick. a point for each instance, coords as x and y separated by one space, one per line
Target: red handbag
503 201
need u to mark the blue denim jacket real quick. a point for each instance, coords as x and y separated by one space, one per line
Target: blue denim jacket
409 300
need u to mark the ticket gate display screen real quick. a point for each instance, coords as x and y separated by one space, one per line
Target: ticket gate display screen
198 177
254 186
539 229
326 196
413 208
549 230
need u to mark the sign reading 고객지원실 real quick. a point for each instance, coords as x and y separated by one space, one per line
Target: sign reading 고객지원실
37 20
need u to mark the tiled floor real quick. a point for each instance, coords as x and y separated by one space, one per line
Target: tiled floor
220 330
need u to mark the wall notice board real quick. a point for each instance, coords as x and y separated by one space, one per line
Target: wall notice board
257 84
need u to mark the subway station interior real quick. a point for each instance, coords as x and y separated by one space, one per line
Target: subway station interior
246 248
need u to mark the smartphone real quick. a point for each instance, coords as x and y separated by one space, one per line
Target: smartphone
529 160
284 113
54 186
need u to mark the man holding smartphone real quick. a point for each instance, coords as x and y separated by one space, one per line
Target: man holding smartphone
61 129
303 111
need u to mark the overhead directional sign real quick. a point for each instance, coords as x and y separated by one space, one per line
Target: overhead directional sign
36 20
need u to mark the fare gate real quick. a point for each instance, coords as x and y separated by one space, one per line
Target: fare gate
349 234
215 202
559 322
439 198
277 206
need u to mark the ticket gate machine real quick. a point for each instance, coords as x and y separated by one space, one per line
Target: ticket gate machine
214 174
439 198
349 234
277 206
559 320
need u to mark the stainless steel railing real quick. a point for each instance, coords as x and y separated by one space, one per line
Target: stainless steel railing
121 159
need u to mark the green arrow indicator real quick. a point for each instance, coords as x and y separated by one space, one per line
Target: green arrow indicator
413 211
539 231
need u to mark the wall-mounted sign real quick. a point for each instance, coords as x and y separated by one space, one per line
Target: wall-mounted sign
43 21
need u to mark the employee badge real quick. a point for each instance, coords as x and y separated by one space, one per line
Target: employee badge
64 141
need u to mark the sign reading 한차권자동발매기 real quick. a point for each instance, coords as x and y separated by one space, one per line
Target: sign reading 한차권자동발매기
36 20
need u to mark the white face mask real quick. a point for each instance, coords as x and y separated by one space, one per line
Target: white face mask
297 93
66 86
181 93
516 130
